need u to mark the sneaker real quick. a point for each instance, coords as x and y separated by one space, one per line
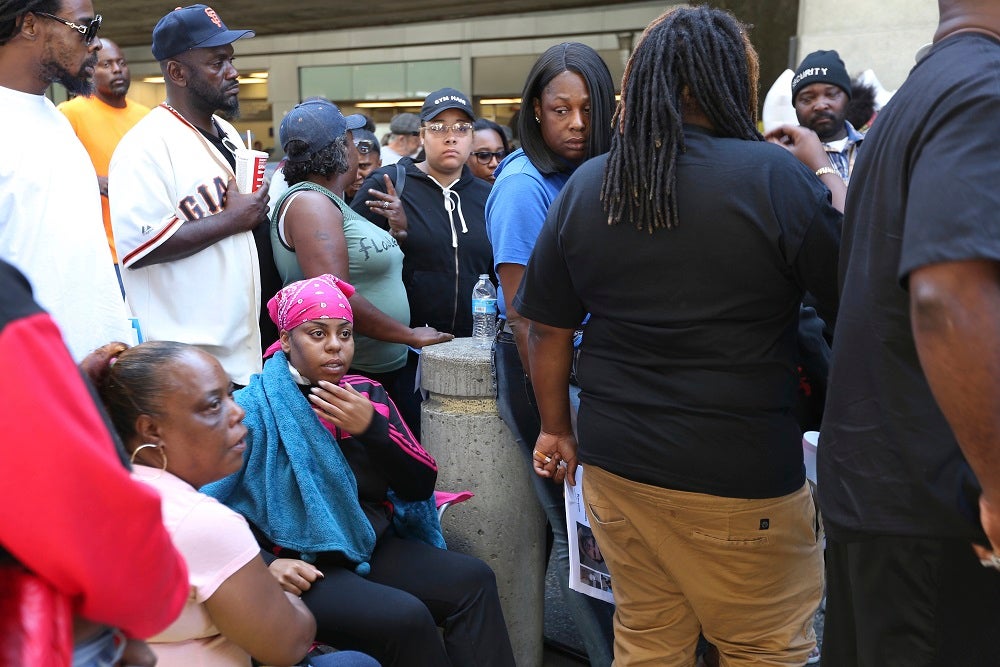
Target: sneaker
813 656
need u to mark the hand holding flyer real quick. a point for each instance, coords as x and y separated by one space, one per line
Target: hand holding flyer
588 573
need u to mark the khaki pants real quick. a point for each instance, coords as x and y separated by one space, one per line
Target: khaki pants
746 573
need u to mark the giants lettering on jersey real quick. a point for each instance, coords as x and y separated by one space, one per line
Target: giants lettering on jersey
207 200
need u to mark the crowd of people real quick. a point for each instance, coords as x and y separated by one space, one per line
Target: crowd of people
250 467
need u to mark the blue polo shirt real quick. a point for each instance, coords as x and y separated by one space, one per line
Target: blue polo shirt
516 209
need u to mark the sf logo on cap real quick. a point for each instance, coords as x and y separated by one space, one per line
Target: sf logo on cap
213 16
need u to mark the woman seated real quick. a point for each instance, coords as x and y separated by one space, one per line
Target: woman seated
172 406
334 480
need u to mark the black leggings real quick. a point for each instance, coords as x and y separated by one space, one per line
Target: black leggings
393 614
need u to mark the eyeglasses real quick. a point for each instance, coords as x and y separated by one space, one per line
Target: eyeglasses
440 129
365 146
89 32
485 157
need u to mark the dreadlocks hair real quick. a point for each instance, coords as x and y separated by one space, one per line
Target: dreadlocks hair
688 57
13 11
579 59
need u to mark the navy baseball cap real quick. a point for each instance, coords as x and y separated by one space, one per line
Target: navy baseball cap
192 27
317 122
446 98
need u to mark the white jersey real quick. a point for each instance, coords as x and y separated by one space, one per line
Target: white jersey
51 226
165 174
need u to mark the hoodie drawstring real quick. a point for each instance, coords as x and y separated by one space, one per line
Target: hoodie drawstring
451 205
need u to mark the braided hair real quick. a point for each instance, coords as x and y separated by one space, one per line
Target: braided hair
695 57
12 11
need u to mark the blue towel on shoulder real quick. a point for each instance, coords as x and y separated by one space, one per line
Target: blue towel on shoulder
296 485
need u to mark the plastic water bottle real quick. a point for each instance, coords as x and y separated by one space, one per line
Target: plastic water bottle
484 312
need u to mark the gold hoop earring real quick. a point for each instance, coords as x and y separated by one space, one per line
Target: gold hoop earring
163 453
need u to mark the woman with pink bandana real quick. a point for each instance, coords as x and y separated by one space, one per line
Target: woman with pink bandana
334 482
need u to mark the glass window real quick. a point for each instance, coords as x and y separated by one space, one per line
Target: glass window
379 81
423 77
333 83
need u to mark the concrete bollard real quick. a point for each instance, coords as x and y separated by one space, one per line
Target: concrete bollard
503 524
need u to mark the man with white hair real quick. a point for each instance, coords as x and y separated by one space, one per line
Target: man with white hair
404 138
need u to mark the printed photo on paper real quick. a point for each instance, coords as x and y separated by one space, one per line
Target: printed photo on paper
588 573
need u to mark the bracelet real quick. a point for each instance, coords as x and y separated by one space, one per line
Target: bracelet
826 170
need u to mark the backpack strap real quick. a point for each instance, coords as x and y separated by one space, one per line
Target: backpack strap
400 180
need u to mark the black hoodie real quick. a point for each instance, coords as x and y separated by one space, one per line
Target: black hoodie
445 251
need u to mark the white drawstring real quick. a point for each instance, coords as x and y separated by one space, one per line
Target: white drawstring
450 205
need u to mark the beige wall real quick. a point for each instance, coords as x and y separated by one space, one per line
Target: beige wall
882 36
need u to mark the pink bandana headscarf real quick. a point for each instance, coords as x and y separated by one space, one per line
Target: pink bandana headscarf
319 298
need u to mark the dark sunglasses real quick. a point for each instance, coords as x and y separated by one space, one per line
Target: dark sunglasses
89 32
365 146
484 157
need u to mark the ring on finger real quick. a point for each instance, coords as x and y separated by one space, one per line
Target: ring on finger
385 204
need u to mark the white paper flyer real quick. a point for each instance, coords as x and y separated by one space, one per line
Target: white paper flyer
588 573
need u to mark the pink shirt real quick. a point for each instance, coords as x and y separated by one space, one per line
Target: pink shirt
72 514
216 542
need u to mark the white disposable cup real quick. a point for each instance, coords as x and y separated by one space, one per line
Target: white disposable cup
810 442
250 167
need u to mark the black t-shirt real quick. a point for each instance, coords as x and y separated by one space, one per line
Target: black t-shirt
688 362
442 256
926 189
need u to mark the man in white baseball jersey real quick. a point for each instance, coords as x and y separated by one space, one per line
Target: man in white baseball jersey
50 208
183 231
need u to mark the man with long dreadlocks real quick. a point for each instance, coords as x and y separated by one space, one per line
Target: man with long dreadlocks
708 236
